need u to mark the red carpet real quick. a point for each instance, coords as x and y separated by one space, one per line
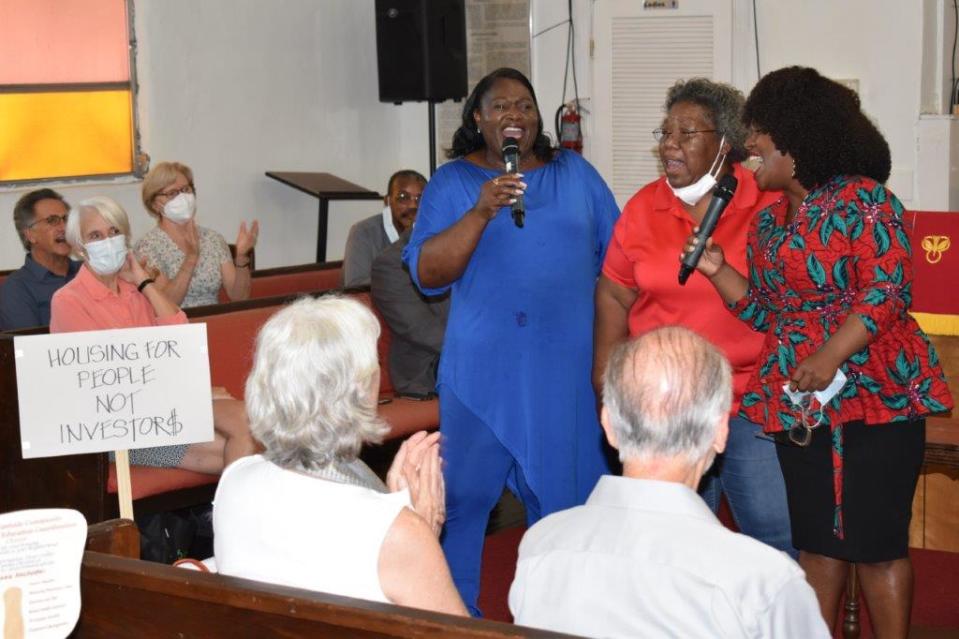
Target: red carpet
935 605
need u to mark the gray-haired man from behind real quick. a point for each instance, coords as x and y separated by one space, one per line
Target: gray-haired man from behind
645 556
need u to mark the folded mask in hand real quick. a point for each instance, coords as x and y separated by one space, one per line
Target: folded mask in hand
824 396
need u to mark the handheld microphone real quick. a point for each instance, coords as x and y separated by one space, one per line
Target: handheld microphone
511 159
722 194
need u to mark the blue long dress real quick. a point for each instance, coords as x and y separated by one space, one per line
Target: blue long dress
517 354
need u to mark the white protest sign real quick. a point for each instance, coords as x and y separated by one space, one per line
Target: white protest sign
40 555
115 389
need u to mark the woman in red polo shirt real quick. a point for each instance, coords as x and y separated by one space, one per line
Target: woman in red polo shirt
700 140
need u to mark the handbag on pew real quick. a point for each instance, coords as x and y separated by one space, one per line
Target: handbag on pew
166 537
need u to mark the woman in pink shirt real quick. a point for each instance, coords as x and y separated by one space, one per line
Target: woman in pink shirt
113 290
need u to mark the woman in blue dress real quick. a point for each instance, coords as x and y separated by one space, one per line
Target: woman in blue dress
517 407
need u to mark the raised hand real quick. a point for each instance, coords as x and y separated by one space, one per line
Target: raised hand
133 270
190 239
246 238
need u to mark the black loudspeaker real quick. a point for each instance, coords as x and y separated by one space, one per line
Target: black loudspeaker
421 50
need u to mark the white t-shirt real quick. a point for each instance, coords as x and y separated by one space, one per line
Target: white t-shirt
287 528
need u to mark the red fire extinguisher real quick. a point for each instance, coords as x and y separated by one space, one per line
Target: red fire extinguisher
571 133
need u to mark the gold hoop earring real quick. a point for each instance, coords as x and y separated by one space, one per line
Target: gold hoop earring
794 170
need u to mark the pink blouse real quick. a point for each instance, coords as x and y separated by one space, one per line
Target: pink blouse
85 304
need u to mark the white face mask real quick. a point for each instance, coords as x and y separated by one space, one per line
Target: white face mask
694 192
388 225
180 209
106 257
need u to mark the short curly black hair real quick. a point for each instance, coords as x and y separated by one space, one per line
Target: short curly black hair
724 106
819 122
467 139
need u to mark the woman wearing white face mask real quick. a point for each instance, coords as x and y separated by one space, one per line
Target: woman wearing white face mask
700 140
113 290
195 261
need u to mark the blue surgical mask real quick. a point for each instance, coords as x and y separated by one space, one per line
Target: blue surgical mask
106 257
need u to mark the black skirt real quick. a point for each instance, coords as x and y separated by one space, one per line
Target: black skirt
881 464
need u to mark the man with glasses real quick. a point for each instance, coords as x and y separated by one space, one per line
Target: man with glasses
369 237
39 217
645 556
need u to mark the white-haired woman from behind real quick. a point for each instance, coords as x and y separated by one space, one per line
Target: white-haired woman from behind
307 512
113 290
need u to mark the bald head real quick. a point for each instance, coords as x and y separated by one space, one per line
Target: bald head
666 393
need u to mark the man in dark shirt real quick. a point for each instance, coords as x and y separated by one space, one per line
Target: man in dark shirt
40 218
369 237
417 323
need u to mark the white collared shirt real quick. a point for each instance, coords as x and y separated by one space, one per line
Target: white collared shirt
648 558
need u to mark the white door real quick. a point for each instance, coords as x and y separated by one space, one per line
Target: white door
639 51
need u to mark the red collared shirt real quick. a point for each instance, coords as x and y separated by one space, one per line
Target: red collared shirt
85 304
644 256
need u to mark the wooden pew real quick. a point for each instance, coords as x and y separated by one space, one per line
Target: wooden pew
123 596
88 482
290 280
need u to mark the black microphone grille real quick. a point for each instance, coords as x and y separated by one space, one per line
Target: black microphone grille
510 145
726 186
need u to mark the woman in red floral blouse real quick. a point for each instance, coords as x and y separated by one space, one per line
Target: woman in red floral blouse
829 282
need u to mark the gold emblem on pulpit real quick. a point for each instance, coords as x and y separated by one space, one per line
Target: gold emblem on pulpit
935 246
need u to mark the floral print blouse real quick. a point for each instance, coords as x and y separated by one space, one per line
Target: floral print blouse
163 253
845 253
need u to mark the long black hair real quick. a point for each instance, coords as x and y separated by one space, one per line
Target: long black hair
820 124
467 139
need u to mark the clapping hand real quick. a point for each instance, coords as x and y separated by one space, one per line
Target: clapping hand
246 238
418 467
134 270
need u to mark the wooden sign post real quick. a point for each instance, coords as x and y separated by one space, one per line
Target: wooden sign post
115 390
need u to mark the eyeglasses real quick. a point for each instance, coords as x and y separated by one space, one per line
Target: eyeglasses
172 193
50 220
682 136
406 197
800 433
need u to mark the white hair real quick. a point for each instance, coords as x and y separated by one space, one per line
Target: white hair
311 396
666 393
107 208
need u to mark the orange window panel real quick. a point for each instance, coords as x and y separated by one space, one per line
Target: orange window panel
46 135
63 41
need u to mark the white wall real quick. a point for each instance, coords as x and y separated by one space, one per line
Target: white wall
877 42
238 87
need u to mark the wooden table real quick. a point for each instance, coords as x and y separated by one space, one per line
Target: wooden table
325 187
